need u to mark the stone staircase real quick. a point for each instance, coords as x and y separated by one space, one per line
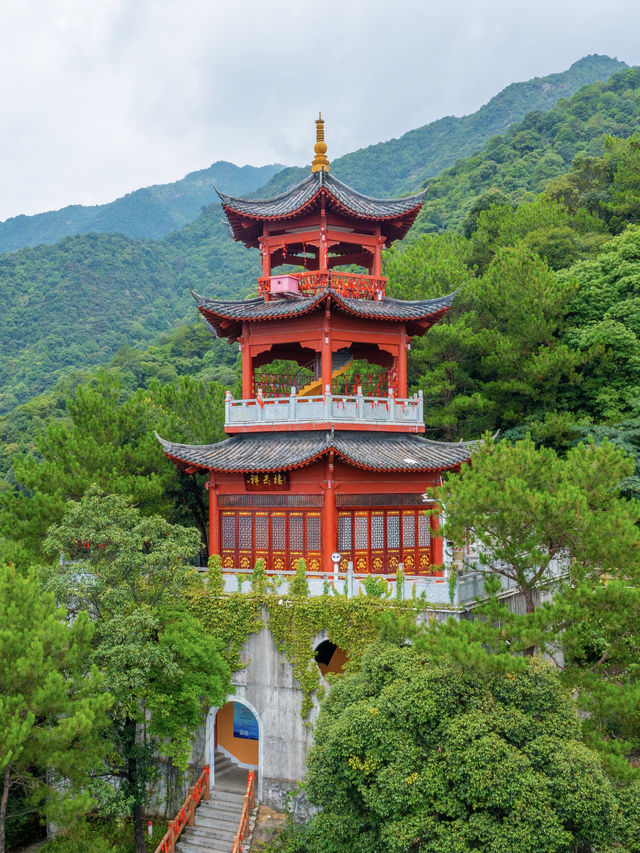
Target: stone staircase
217 819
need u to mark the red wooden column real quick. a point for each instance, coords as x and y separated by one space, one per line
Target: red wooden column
402 366
323 247
247 367
376 265
214 516
326 348
436 541
266 251
330 516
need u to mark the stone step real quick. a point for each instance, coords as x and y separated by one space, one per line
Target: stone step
203 833
188 847
230 820
220 796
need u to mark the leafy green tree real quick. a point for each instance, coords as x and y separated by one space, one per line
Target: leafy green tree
527 508
298 585
53 703
416 754
109 440
129 572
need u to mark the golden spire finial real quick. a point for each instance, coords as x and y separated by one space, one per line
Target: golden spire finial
320 162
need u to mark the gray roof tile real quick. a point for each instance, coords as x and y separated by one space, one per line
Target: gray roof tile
299 195
279 451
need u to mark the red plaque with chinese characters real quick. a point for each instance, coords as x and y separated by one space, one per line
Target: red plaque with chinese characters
267 481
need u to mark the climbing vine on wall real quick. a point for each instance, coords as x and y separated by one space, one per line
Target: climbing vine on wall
294 619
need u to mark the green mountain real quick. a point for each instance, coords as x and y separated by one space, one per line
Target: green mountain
147 213
397 166
534 152
75 304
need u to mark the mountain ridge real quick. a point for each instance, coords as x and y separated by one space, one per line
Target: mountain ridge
148 213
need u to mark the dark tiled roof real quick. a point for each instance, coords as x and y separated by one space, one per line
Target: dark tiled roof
301 194
279 451
258 309
396 309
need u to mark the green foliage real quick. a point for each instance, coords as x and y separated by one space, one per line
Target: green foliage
534 152
412 753
351 624
525 507
376 587
53 703
215 580
109 440
130 573
298 585
259 578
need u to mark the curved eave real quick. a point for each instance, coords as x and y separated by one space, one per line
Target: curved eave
244 215
190 458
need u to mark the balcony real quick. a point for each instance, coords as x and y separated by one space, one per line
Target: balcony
347 284
321 412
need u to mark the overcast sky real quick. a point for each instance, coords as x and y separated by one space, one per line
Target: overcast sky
100 97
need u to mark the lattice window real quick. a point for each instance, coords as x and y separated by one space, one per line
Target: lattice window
244 532
273 501
295 532
424 531
408 530
385 499
313 533
278 533
261 535
361 532
377 531
344 533
229 532
393 531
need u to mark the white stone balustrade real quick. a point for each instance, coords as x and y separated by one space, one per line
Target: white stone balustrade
325 408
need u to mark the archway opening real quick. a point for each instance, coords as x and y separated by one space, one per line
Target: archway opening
330 658
237 736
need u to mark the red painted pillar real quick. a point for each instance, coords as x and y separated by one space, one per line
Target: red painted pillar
323 248
376 266
326 349
247 370
402 366
214 516
436 541
330 517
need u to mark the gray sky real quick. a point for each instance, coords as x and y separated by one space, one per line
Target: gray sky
100 97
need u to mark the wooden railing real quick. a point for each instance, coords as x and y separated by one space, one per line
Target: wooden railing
185 816
347 284
247 805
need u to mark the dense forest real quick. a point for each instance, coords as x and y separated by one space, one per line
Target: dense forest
463 739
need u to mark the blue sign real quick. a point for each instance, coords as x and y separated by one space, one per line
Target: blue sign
245 724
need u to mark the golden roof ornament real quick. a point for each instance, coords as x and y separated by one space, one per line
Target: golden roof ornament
320 162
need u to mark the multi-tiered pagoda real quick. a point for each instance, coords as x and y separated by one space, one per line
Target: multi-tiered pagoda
325 454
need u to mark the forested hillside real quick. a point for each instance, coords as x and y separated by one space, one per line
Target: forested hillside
398 166
148 213
75 304
541 147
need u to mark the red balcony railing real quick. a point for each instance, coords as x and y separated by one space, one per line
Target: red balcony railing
348 284
248 803
200 791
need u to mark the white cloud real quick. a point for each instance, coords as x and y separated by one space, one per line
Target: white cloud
100 98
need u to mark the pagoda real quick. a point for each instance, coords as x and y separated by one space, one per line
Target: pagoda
325 458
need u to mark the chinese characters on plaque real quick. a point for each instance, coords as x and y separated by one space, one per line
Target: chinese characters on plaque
267 481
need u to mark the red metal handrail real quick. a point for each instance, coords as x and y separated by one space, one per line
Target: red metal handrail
247 804
200 791
348 284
